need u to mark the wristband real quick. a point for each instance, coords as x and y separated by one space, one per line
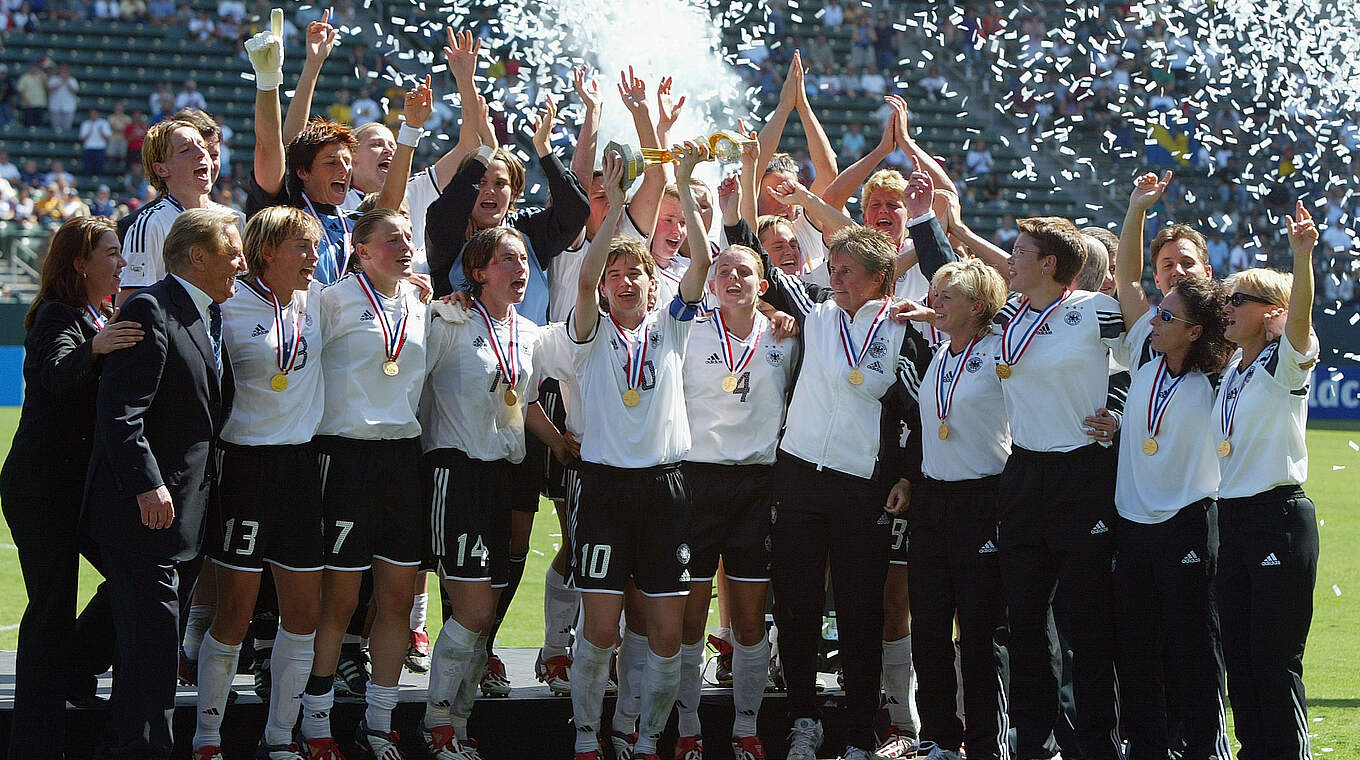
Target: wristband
409 135
485 154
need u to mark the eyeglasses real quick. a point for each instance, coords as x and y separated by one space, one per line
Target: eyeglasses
1167 316
1239 298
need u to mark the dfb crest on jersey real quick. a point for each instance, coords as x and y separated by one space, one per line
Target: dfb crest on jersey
1073 317
974 365
307 318
682 553
654 339
878 348
774 358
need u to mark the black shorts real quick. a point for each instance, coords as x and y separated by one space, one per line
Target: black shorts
631 523
470 516
269 509
370 495
898 540
527 477
730 518
550 398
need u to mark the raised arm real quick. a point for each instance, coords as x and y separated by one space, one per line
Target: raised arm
461 53
1303 235
700 255
747 207
586 316
419 105
266 58
848 181
826 217
919 156
774 128
647 200
931 245
1128 265
819 146
556 227
588 90
320 42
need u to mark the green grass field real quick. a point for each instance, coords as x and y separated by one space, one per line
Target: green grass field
1333 646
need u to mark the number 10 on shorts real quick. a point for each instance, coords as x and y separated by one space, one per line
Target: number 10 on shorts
595 560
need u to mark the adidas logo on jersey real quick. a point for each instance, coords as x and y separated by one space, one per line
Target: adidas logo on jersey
883 519
258 331
367 316
875 366
1099 528
713 359
988 548
1044 329
1190 559
478 342
1270 561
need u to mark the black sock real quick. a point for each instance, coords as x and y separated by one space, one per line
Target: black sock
318 685
515 572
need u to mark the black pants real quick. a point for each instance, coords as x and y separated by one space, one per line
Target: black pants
59 655
1267 567
1167 634
1057 545
954 571
820 516
145 596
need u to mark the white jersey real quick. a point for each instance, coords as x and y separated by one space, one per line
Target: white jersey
1268 411
422 188
811 245
564 272
261 415
656 430
1152 488
1063 376
1123 355
463 406
143 246
740 426
361 401
978 439
554 356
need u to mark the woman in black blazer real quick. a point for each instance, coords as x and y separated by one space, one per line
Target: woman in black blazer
41 485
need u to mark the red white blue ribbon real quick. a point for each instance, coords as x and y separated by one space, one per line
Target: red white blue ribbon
97 316
632 368
944 400
1231 395
852 357
1010 351
394 338
734 366
287 353
1157 406
507 357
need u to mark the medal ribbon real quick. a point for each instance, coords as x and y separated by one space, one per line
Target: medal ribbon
97 316
725 341
508 359
945 401
287 354
393 338
340 265
1156 407
852 357
636 359
1230 398
1011 355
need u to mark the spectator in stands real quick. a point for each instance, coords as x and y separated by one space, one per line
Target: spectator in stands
105 10
1218 250
104 205
234 10
133 135
853 142
872 83
61 98
933 83
8 96
1238 258
820 57
161 102
1006 233
366 108
32 89
202 28
118 124
161 11
21 210
21 19
58 174
340 111
862 39
133 10
94 143
979 161
32 176
190 97
8 170
833 15
71 204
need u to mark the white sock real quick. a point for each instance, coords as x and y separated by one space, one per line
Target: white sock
750 671
454 651
381 701
199 621
658 696
316 713
589 671
899 684
632 661
687 696
289 666
725 634
216 670
466 693
419 603
559 613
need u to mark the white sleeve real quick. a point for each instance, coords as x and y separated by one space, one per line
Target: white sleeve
1293 367
143 251
1111 321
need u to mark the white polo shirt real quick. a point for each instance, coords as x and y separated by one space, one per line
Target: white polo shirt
978 440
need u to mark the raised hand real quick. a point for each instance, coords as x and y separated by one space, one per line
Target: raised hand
462 52
419 104
1146 190
920 194
547 115
793 82
633 91
729 193
690 154
902 123
587 89
320 38
1303 233
668 110
750 152
790 193
265 50
613 167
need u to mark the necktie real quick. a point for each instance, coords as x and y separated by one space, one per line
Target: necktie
215 332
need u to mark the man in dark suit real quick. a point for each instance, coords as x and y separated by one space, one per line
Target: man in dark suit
160 407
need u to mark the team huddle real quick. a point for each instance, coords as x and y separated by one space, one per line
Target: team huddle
1018 472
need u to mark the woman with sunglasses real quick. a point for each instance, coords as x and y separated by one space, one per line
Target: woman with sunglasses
1167 531
1268 529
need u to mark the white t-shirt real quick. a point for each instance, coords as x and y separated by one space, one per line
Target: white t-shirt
740 426
978 442
1271 416
260 415
1063 377
144 245
1152 488
361 401
94 135
810 242
656 431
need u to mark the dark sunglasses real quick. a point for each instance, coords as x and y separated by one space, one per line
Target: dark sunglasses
1239 298
1167 316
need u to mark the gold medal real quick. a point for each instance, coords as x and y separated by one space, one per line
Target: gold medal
390 368
1150 446
1224 449
856 377
1003 371
944 430
279 382
631 397
729 384
511 398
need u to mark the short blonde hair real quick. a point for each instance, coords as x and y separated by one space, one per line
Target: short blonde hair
269 228
883 179
975 281
749 253
1095 267
870 248
1267 283
195 228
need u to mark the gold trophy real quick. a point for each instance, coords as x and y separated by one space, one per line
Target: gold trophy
723 146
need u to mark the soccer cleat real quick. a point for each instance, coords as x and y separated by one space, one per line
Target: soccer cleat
722 651
689 748
555 672
380 745
289 751
622 744
208 752
747 748
443 744
805 738
933 751
325 748
259 668
896 745
188 669
855 753
494 681
351 671
418 653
